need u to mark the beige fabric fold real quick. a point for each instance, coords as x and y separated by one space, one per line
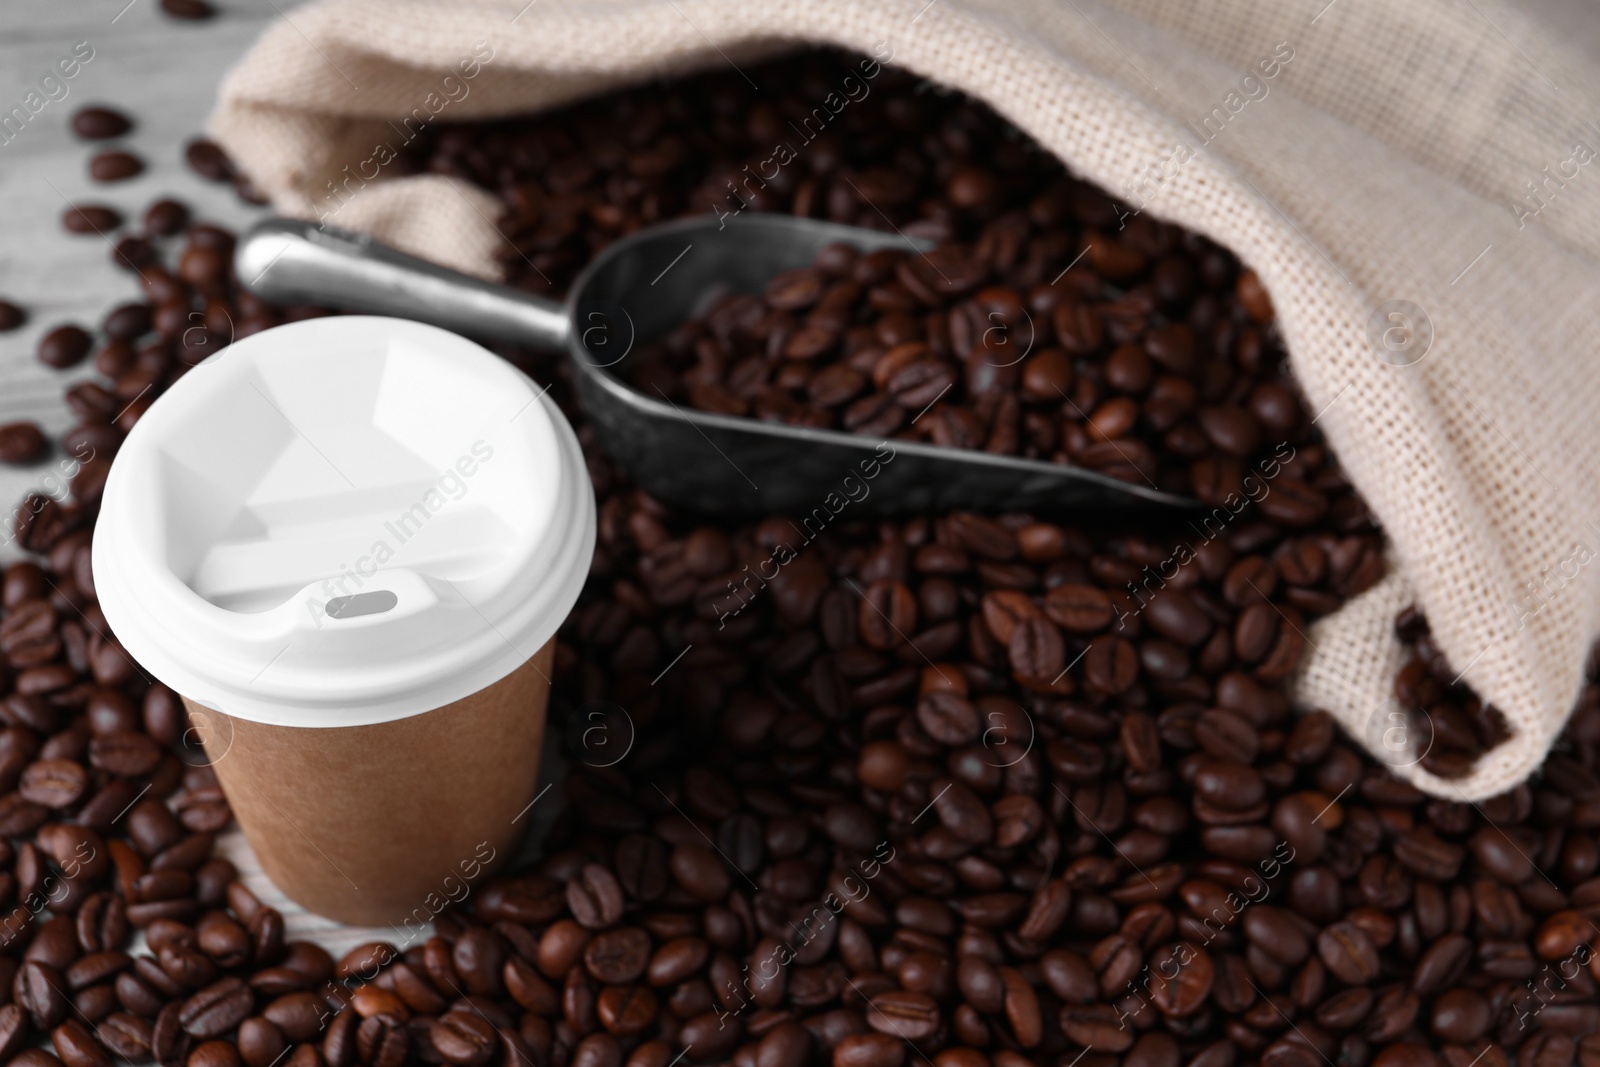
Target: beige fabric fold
1355 153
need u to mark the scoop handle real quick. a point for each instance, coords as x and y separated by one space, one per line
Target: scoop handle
290 261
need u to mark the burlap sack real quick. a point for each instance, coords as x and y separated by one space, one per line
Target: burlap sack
1355 154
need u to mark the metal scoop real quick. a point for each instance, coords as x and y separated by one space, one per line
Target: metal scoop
638 290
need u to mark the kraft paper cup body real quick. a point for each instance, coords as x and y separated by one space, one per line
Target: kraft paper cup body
437 805
347 543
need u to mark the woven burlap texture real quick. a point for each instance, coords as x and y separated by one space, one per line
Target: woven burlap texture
1387 158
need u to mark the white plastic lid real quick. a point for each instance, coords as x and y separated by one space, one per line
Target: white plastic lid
343 521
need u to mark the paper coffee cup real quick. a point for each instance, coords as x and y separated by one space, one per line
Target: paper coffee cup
348 543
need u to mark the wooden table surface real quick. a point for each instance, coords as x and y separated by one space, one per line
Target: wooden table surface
164 74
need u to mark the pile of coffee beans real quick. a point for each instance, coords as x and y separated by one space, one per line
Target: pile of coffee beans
902 155
1453 725
1153 359
959 791
1050 321
1040 836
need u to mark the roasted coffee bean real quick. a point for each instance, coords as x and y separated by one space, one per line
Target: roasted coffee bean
124 753
95 968
168 1042
22 443
1096 1026
478 957
907 1015
189 10
206 159
114 165
127 322
96 1002
1227 735
216 1009
626 1010
13 1030
1460 1015
1183 978
1036 650
1497 854
700 872
1392 1013
131 253
90 219
64 346
127 1036
361 963
339 1041
77 1046
1562 933
980 983
1348 952
618 956
595 897
1111 665
795 289
869 1050
787 1044
888 614
1021 1008
152 827
260 1043
300 1016
1230 785
370 1000
948 718
1079 608
560 947
676 960
214 1054
382 1040
464 1038
166 217
1443 963
100 123
41 991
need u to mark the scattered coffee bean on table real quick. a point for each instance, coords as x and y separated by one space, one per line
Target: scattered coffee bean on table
166 217
11 316
115 165
133 253
64 346
208 160
191 10
22 443
100 123
127 322
90 219
961 790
